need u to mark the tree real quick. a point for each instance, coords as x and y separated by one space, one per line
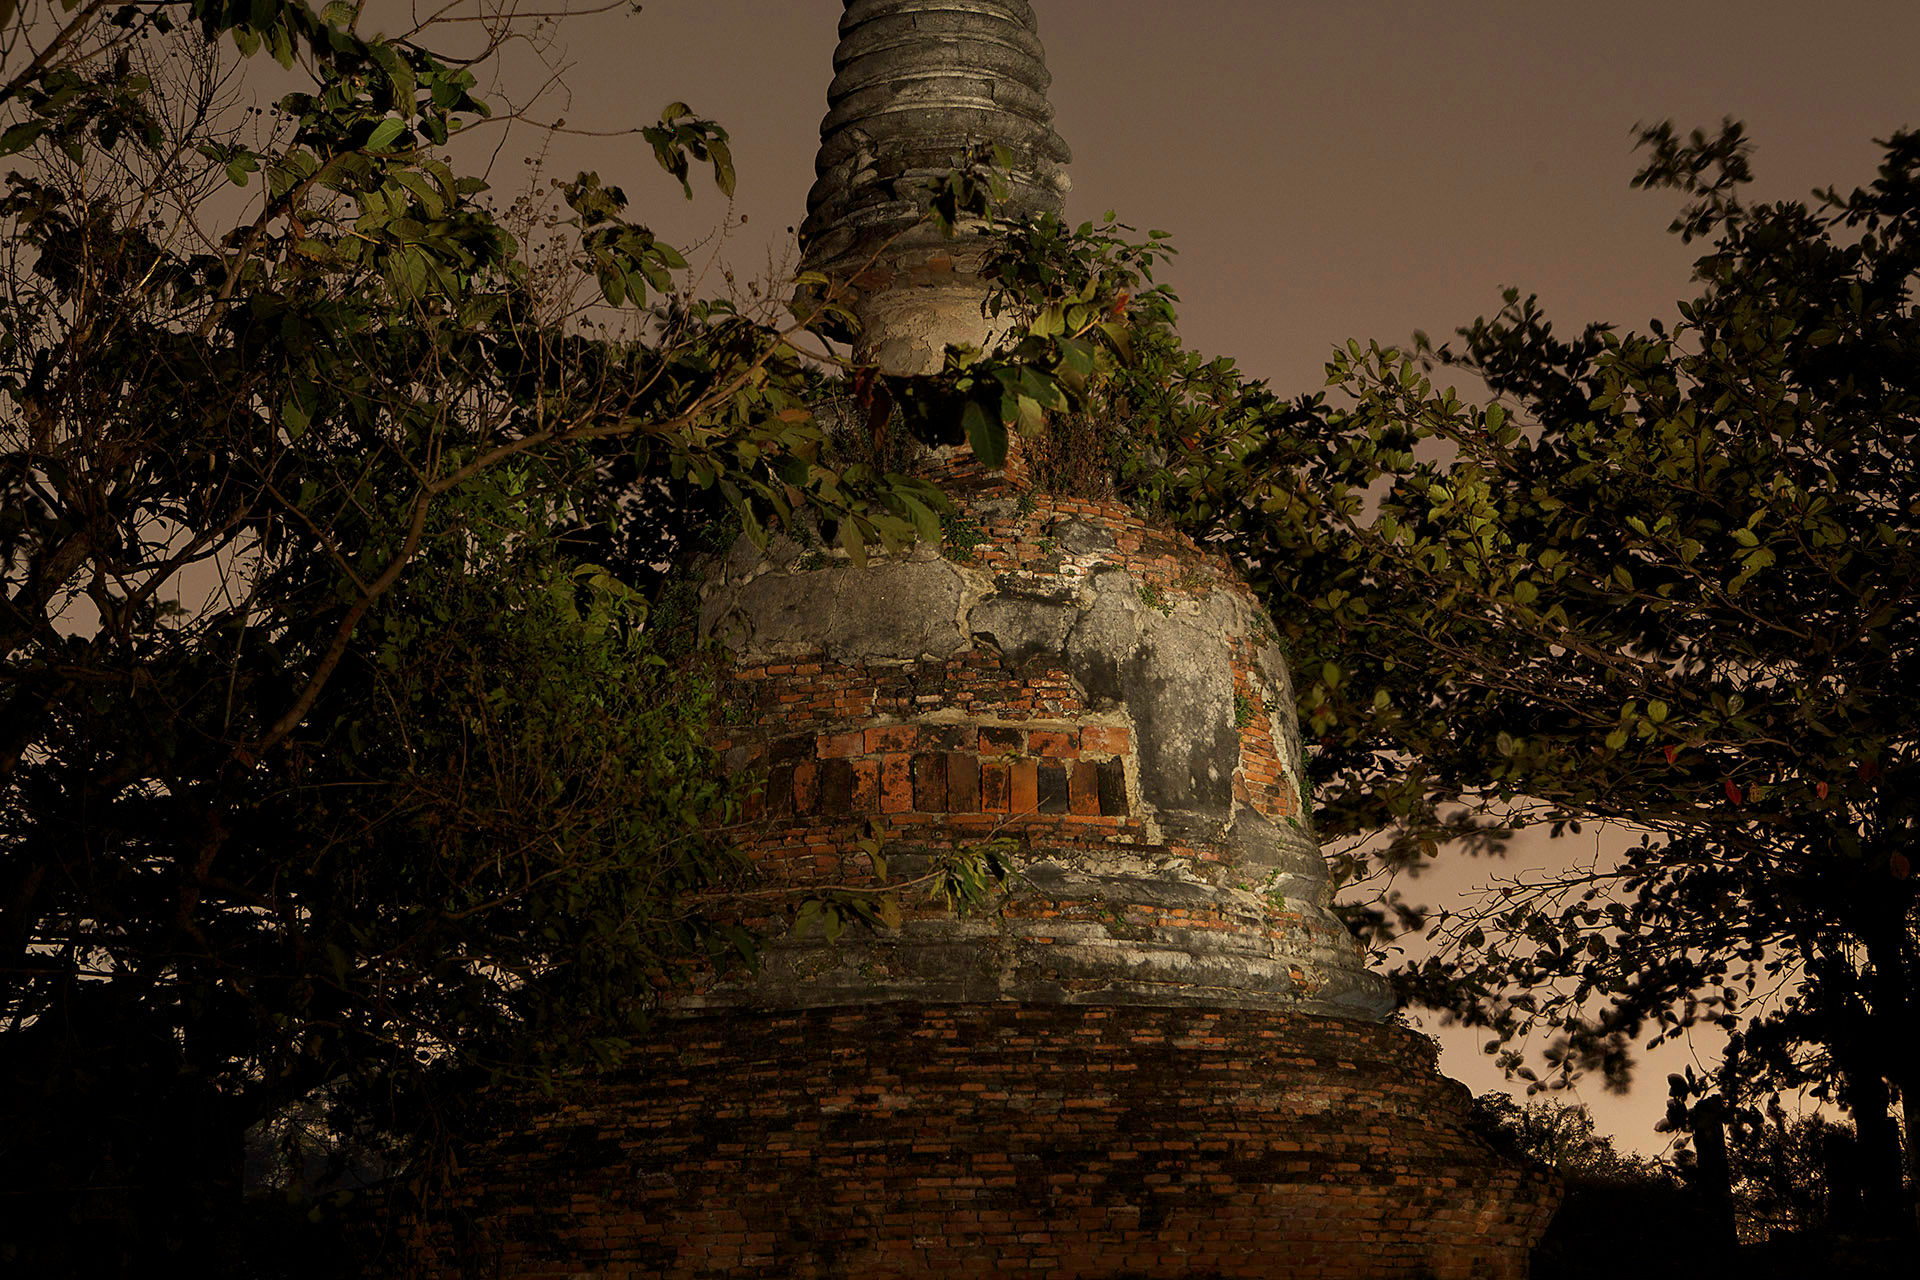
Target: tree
1665 580
1558 1136
341 746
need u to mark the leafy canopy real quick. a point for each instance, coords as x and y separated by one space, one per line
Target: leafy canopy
340 742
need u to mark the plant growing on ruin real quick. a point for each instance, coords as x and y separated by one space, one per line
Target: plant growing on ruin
960 536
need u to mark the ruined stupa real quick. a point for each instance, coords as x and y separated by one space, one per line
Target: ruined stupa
1157 1053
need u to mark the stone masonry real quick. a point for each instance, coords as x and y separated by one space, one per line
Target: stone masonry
1155 1054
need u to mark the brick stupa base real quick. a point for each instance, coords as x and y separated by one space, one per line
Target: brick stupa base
982 1140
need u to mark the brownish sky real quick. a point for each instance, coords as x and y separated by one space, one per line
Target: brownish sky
1328 170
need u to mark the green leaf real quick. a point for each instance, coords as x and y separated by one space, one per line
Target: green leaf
851 541
384 133
986 434
21 136
401 88
426 192
1032 418
613 285
925 523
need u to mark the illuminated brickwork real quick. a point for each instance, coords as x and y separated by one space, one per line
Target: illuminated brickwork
939 1141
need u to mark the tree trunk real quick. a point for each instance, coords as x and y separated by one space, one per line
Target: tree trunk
1883 1198
1891 975
1715 1172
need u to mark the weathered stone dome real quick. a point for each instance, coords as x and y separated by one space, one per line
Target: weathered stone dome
921 86
1096 691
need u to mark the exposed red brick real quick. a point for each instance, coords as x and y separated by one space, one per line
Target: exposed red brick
1082 1143
791 749
930 783
832 745
1112 784
963 782
897 737
1051 787
1026 786
1054 743
780 791
996 786
866 786
1083 787
1226 1146
996 739
896 783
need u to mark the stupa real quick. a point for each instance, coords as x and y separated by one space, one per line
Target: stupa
1156 1052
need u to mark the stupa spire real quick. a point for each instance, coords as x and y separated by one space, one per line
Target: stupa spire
920 88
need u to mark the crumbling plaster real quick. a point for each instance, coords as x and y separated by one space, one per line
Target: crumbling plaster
1158 664
1168 670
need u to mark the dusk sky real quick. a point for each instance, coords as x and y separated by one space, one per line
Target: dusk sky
1328 171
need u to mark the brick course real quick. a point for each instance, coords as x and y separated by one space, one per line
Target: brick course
1076 1143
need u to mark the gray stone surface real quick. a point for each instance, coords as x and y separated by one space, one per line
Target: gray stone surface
894 611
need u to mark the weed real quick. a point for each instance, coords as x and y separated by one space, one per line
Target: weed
1150 596
960 533
1244 710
